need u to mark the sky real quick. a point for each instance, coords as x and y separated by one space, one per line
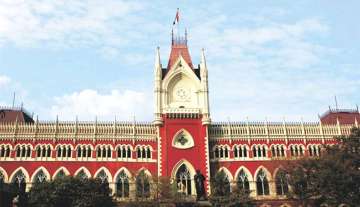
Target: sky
269 60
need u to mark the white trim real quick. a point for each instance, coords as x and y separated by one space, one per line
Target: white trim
107 172
48 177
27 177
86 171
58 170
247 171
6 177
126 171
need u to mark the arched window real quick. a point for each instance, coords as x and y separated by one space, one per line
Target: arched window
4 151
222 183
2 178
40 177
102 176
60 174
183 180
243 181
82 175
262 183
281 183
122 185
19 182
142 185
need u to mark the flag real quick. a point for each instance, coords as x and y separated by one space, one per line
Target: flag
177 17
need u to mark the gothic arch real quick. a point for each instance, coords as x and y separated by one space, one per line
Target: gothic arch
86 171
146 171
247 172
191 170
268 174
107 172
4 173
227 172
174 72
177 137
178 165
44 170
58 170
125 170
27 177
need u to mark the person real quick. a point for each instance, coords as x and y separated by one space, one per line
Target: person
199 185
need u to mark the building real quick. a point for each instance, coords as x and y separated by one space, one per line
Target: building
181 139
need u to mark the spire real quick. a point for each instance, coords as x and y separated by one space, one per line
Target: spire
203 61
157 59
203 67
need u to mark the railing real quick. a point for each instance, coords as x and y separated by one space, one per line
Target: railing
276 129
75 129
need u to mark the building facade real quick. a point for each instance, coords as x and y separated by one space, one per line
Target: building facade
181 140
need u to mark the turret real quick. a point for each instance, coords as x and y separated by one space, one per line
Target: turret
157 87
205 90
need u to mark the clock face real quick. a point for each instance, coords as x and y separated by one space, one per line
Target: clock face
183 94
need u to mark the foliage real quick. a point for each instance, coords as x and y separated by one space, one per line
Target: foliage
221 195
334 178
70 191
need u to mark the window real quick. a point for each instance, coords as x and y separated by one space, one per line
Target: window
221 151
60 174
102 176
82 174
240 151
84 151
143 152
19 181
262 184
40 177
281 183
296 150
142 185
23 151
243 181
4 151
123 151
63 151
103 151
2 178
43 151
277 151
183 180
259 151
122 185
314 150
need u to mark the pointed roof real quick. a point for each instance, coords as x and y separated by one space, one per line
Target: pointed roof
9 115
179 48
345 116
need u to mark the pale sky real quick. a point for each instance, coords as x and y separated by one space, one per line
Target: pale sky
92 58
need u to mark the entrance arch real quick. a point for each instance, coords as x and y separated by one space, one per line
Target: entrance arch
183 174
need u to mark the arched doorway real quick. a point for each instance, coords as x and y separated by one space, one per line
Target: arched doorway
183 180
183 175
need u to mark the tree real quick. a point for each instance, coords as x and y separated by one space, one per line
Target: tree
223 196
333 178
70 191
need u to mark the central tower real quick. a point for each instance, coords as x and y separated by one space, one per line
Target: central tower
182 115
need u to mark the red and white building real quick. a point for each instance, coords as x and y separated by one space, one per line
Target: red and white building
181 139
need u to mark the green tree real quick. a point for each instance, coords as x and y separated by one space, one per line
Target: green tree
333 178
69 191
223 195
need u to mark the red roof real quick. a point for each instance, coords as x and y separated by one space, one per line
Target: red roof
11 114
344 116
176 51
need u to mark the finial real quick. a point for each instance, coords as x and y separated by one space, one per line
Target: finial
157 57
185 36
